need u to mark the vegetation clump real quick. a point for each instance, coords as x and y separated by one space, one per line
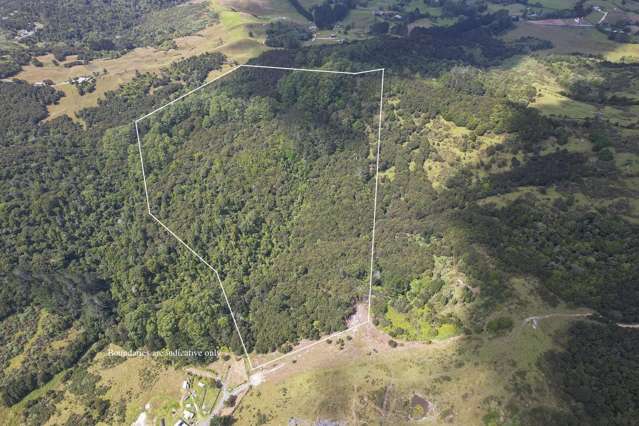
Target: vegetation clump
500 325
286 34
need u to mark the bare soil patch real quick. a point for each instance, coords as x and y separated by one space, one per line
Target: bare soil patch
365 341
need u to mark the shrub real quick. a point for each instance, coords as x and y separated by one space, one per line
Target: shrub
500 325
230 401
605 155
286 348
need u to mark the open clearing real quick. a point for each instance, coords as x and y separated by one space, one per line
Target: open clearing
363 380
265 8
551 98
231 36
572 39
368 380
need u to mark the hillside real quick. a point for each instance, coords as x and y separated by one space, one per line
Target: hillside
506 246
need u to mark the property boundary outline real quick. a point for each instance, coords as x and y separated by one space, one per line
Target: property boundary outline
217 275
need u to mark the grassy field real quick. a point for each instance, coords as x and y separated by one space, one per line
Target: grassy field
231 36
364 381
7 43
632 6
308 4
16 361
239 35
460 377
447 140
514 9
361 18
12 415
136 384
583 40
552 102
141 381
133 385
44 319
268 9
557 4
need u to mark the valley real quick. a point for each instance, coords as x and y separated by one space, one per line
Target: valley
503 280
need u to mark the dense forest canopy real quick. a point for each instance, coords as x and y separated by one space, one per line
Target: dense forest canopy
597 370
266 202
282 207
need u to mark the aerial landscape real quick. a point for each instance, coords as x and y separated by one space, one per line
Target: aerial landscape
319 212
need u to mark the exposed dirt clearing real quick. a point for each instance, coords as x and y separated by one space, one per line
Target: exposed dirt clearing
627 325
367 341
535 320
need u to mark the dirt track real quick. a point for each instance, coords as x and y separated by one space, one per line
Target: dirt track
365 341
534 320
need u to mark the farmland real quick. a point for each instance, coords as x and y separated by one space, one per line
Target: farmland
568 40
504 205
231 35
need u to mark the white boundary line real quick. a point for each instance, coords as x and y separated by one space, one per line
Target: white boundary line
217 275
311 70
379 142
226 299
188 93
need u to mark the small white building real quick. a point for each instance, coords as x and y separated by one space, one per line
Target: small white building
22 34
